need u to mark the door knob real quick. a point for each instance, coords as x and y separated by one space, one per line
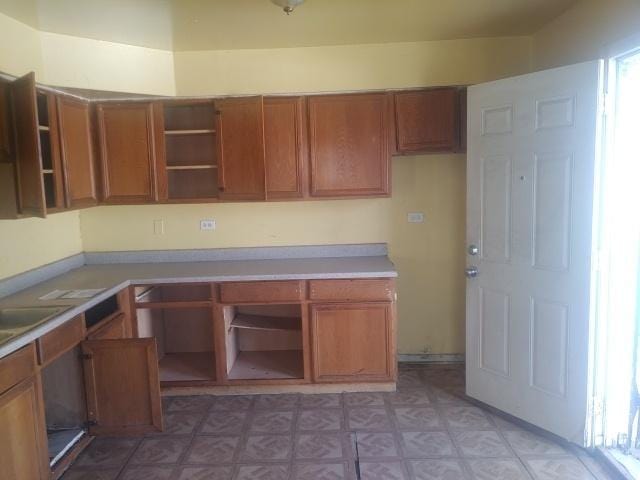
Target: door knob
471 272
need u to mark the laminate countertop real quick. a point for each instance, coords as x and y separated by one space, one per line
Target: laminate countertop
114 277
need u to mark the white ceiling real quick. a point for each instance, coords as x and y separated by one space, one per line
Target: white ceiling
233 24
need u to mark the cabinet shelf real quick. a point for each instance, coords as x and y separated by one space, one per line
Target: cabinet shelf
203 131
268 365
191 167
263 322
43 128
187 367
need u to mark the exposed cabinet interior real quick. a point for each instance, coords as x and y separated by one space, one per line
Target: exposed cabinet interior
49 151
264 342
185 342
190 150
180 318
64 404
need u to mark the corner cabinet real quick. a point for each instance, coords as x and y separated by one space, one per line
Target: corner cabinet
348 145
427 120
127 138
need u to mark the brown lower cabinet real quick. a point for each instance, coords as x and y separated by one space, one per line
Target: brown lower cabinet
353 342
89 378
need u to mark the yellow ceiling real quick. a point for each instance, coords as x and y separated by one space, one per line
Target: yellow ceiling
233 24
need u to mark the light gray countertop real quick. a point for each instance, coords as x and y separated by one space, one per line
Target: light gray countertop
114 277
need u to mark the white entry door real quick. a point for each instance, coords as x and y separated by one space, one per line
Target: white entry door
532 149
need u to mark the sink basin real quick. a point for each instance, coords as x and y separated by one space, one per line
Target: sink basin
13 319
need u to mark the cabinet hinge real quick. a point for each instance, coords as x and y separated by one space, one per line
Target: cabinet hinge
86 356
92 423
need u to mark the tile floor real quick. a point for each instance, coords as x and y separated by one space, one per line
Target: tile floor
425 431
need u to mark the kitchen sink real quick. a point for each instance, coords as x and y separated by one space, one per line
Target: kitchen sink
15 321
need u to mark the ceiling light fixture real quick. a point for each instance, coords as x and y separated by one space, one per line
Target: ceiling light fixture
287 5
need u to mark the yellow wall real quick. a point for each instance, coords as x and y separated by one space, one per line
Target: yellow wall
99 65
429 256
584 32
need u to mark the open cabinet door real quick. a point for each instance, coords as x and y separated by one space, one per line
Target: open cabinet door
533 149
31 197
123 386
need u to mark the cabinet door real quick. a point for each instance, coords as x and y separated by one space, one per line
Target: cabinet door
240 130
31 199
353 342
284 146
123 386
127 152
6 148
349 145
427 120
78 166
22 427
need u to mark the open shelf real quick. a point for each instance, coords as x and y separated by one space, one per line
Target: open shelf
187 367
184 339
261 322
190 116
268 365
196 183
264 342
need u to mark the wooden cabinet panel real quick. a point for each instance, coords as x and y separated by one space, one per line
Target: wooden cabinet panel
127 147
17 366
240 129
261 292
427 120
284 146
74 125
110 329
31 198
22 421
462 140
123 386
60 340
6 148
365 290
349 153
353 342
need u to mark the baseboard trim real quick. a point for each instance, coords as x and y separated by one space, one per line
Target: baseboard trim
431 358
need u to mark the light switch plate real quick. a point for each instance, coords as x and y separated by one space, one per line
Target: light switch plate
207 224
415 217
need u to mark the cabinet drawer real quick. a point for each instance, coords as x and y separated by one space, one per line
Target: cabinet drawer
261 292
110 329
352 290
17 366
60 340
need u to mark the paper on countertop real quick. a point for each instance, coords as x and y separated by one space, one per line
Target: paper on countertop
86 293
82 293
53 295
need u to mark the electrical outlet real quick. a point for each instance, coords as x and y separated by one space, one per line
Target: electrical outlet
207 224
158 227
415 217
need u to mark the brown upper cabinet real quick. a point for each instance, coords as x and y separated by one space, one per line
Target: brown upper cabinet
76 146
348 145
37 154
6 144
127 152
240 126
427 120
190 150
284 147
